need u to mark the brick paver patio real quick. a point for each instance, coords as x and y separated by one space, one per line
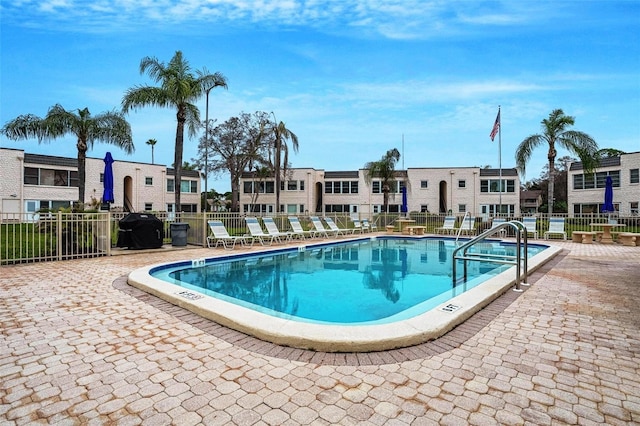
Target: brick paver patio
79 346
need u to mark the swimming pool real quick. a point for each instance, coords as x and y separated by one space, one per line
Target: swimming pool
364 294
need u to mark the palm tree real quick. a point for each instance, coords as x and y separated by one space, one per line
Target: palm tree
280 148
108 127
152 143
179 89
385 169
554 131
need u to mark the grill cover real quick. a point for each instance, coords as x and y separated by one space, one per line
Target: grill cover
140 231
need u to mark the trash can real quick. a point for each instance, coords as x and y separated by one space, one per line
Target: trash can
179 234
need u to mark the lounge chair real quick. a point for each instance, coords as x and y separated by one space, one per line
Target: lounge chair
556 227
497 221
369 225
530 224
468 225
272 229
334 227
320 229
298 230
220 235
258 234
448 227
357 226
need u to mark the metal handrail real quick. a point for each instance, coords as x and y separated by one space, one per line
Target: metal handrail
462 225
518 260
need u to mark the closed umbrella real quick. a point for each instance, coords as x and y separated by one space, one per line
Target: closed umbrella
107 195
404 208
607 207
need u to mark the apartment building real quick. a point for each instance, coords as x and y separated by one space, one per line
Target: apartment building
31 182
585 192
481 192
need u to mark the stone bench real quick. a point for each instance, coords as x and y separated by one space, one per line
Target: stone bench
629 238
584 237
415 230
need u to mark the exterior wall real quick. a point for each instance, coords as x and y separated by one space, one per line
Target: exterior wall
365 202
12 187
11 191
623 196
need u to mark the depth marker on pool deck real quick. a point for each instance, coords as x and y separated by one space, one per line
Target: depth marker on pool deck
450 308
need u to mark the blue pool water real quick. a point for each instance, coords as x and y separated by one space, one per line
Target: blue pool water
368 281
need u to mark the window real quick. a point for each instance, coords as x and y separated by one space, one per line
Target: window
336 208
301 185
247 187
341 187
462 183
301 208
31 176
354 186
101 177
424 184
257 208
292 185
171 185
189 186
596 180
148 181
328 187
495 209
189 208
292 208
634 207
345 187
50 177
493 185
375 187
424 208
148 206
462 208
634 176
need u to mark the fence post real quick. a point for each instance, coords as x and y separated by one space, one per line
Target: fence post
59 236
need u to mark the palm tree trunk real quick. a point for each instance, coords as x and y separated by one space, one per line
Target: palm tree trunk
178 159
551 156
235 193
277 172
82 157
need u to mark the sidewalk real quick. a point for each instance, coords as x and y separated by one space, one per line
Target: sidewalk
78 345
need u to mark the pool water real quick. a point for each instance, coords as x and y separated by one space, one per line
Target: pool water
369 281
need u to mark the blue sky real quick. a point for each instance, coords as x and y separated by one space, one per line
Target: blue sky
352 78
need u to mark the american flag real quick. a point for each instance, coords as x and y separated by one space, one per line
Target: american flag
496 127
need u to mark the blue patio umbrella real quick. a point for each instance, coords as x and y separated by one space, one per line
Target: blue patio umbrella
107 195
607 207
404 208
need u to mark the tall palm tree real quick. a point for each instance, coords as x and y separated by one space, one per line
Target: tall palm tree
179 88
385 169
555 131
152 143
281 154
107 127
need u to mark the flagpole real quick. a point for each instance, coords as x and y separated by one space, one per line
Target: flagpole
500 157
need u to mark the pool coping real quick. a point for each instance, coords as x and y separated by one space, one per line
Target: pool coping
335 338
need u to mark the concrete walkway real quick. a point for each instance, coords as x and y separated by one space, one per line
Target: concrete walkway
79 346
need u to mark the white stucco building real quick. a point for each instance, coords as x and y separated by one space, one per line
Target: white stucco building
435 190
585 193
30 182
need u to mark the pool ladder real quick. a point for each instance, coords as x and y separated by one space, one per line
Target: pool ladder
519 260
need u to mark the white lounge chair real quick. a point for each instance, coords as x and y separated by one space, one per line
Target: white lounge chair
530 224
334 227
220 235
298 230
371 226
320 229
257 233
497 221
468 225
448 227
272 229
357 226
556 227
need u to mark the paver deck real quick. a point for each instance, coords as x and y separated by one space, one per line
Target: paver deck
79 346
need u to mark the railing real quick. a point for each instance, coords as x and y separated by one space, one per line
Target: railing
519 259
35 237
